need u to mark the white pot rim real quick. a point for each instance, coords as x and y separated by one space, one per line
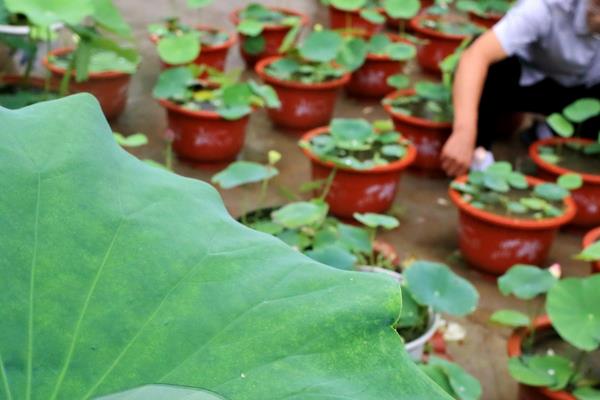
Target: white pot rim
24 30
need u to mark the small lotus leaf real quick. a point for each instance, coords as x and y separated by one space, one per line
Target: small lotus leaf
526 281
242 173
511 318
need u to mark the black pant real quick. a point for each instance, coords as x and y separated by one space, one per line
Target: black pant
503 95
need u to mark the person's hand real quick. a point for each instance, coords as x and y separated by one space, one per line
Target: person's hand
457 153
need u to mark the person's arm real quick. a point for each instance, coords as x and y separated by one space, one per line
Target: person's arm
471 74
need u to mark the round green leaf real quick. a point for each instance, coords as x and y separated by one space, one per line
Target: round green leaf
560 125
372 15
399 81
45 13
135 140
250 27
590 253
404 9
353 54
304 213
254 45
242 173
582 110
586 393
321 46
517 180
199 3
513 319
348 5
464 385
161 392
551 192
377 220
546 371
179 49
401 51
173 83
350 133
526 281
435 285
572 305
570 181
334 256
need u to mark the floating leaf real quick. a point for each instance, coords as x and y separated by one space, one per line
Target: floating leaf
551 192
570 181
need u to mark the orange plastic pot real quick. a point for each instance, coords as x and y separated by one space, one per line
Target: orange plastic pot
212 56
370 80
429 137
587 197
438 45
488 20
303 105
589 239
340 19
493 243
273 35
359 191
204 136
110 87
515 349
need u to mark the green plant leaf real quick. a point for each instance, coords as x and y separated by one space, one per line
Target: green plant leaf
570 181
496 183
560 125
179 49
399 81
545 371
321 46
438 375
199 3
135 140
590 253
45 12
108 15
464 385
254 45
432 91
436 286
250 27
355 239
572 305
242 173
372 15
161 392
401 51
267 93
173 83
517 180
352 54
377 221
348 5
511 318
334 256
304 213
582 110
526 281
404 9
350 133
586 393
117 275
551 192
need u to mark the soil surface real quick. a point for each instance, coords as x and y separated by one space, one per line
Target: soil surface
577 161
429 221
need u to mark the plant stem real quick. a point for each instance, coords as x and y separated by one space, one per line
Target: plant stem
169 156
263 192
328 184
66 80
372 235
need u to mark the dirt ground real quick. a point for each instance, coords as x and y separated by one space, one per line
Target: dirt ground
429 220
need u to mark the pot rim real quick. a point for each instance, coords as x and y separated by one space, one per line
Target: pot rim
434 318
395 166
262 65
487 16
513 223
234 17
200 114
409 119
231 39
555 169
415 24
24 30
92 75
514 349
34 81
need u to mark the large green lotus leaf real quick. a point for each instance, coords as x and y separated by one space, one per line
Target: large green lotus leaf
116 275
162 392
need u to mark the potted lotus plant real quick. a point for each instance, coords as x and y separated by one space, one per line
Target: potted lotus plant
208 118
591 249
442 34
570 153
179 43
508 218
428 289
485 12
97 64
364 160
308 79
266 31
553 352
385 56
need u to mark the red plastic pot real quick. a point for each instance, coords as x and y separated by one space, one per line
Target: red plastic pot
110 87
204 136
303 106
488 20
340 19
515 349
213 56
493 243
429 137
273 35
439 45
370 80
589 239
587 197
359 191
